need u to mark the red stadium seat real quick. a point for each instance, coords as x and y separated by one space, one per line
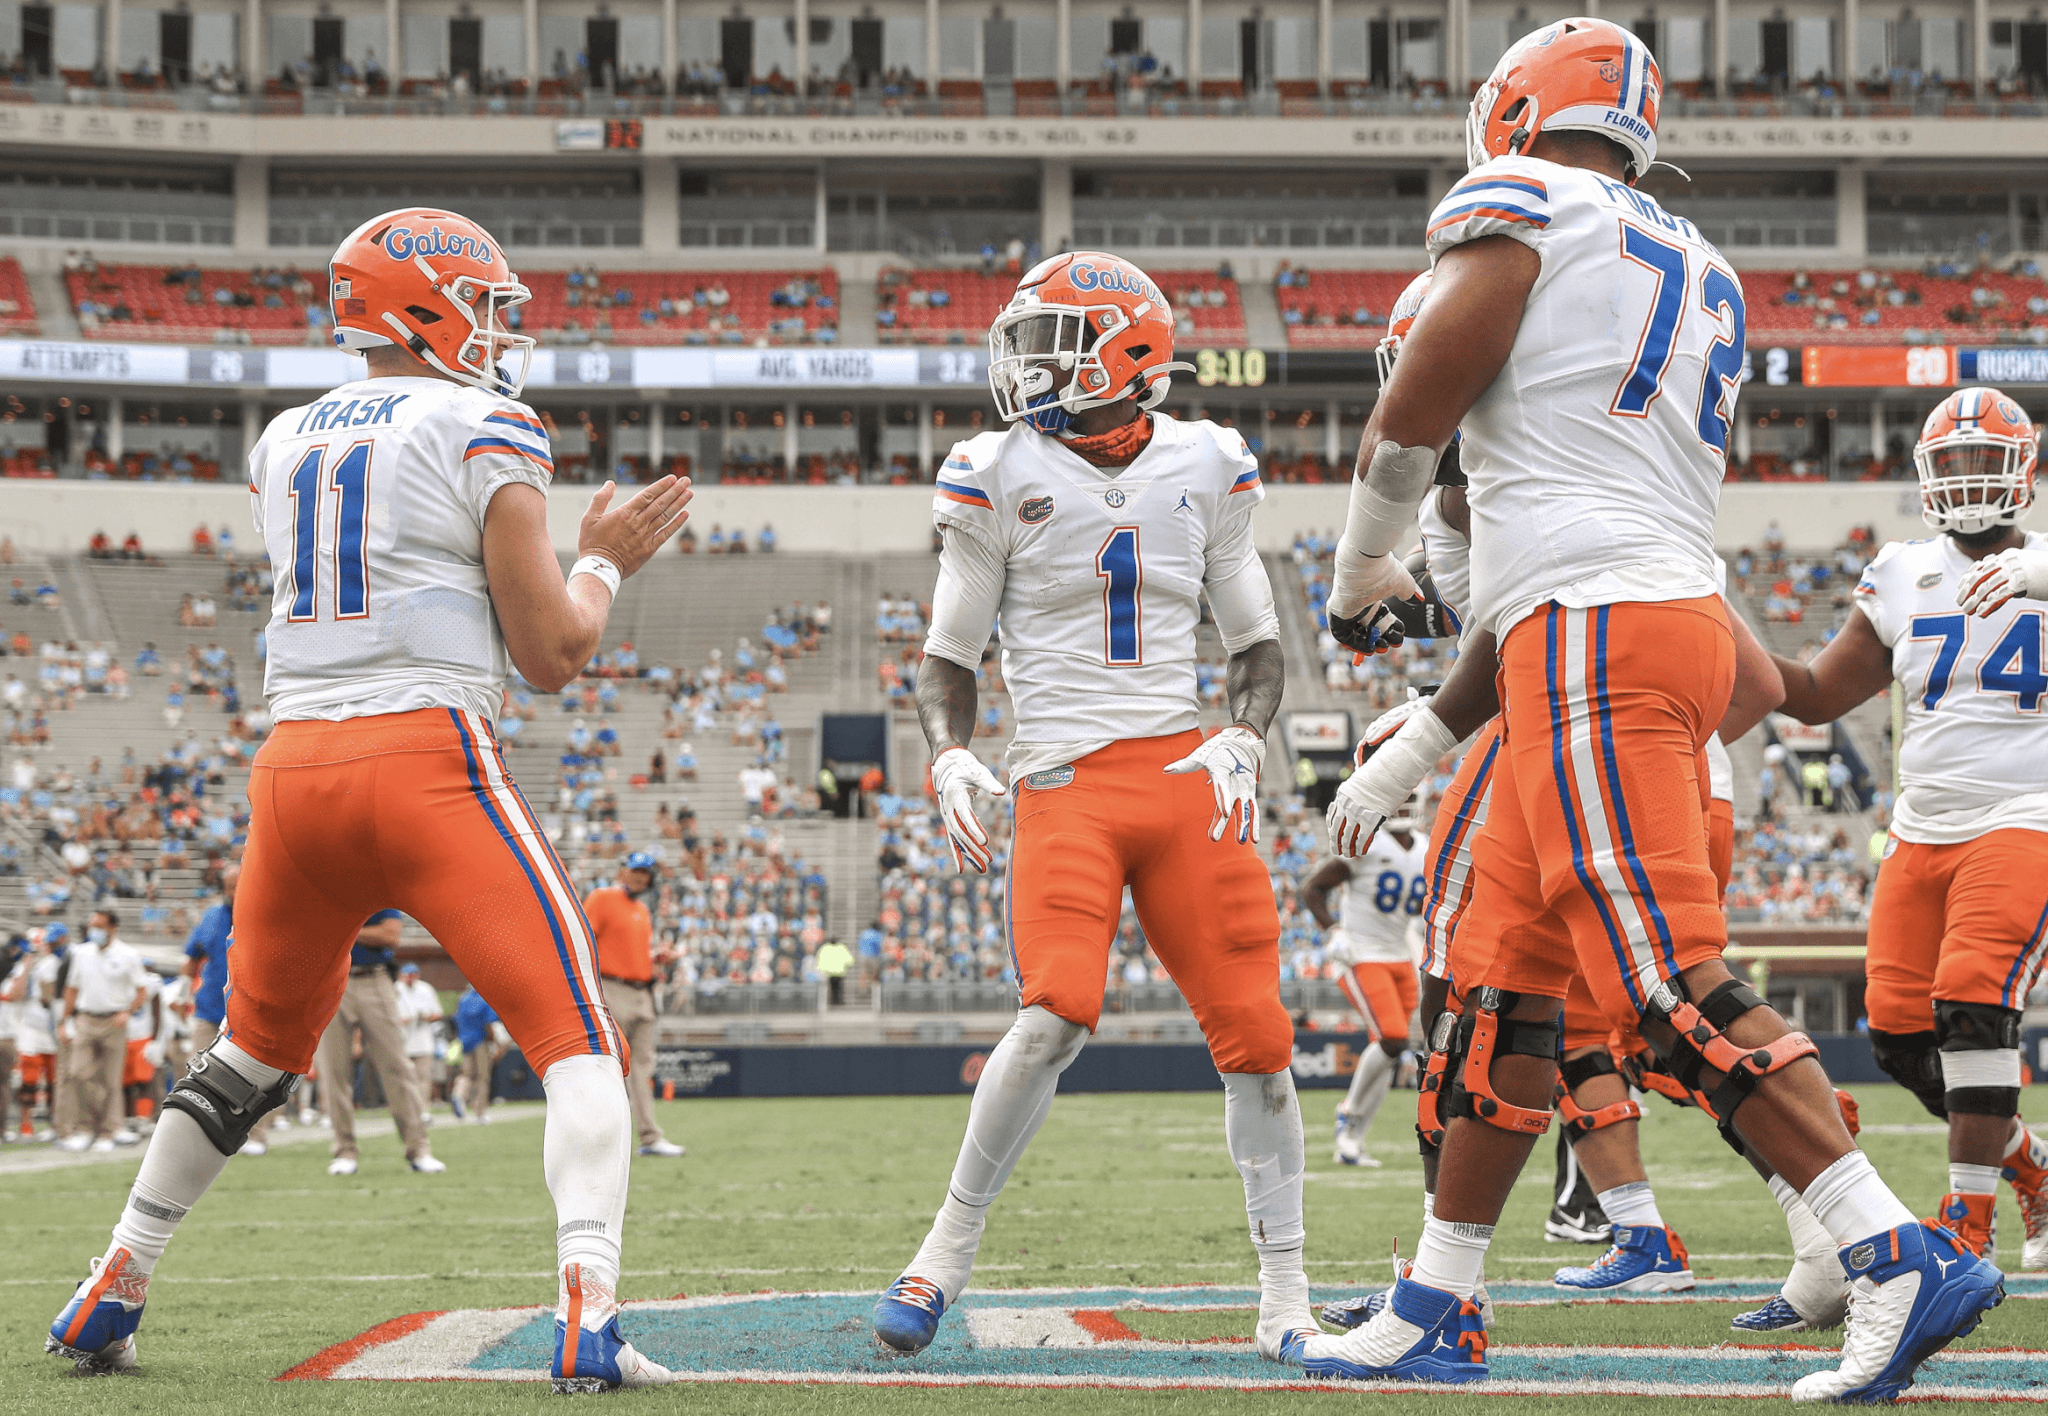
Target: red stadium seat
21 317
1325 306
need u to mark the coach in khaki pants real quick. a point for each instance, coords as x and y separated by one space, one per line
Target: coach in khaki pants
370 1003
624 930
103 987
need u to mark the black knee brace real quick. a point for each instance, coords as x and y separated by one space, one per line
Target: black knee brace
1484 1034
1968 1034
1437 1071
1575 1073
226 1104
1913 1060
1701 1042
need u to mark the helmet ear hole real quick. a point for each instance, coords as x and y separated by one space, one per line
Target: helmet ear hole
422 314
1139 351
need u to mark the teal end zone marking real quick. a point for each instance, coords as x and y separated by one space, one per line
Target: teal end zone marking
1031 1336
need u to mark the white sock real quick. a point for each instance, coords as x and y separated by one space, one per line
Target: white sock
2022 1139
1428 1206
1369 1083
1811 1242
1451 1256
586 1154
1852 1203
180 1165
1633 1204
178 1168
1967 1179
1010 1104
1262 1124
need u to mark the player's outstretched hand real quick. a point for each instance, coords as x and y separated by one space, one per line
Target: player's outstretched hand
1374 630
629 535
957 775
2021 572
1232 759
1396 753
1358 580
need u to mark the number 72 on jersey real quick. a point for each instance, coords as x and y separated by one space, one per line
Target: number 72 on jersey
1719 299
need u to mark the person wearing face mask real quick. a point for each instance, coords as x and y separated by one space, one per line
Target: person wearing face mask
103 988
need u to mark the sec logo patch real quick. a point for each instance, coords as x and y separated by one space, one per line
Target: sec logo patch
1114 496
1033 510
1929 580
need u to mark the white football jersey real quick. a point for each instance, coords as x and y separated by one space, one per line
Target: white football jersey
1102 576
1385 893
1974 757
1450 558
370 501
1595 460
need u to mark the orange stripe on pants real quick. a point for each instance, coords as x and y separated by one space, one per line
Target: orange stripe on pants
414 812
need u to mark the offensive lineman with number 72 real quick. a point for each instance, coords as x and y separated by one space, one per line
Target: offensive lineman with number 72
1093 525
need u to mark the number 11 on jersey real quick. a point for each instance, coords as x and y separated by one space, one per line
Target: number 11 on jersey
1123 581
350 482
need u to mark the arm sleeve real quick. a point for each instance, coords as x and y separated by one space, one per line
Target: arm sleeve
507 442
1506 197
1240 594
965 601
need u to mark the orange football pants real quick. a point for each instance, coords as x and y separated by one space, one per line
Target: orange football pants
1460 813
1385 994
414 812
1966 923
1206 906
1594 854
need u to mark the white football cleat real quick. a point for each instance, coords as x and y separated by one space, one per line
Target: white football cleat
342 1165
663 1147
427 1165
255 1148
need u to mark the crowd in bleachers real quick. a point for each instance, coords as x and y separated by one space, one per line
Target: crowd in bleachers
1941 297
263 305
1803 589
1788 874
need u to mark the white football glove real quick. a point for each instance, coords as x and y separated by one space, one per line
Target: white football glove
2021 572
1394 767
957 775
1360 579
1232 759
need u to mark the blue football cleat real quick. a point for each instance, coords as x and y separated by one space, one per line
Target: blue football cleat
1917 1289
1642 1259
1357 1312
1450 1345
602 1359
96 1329
1775 1316
907 1315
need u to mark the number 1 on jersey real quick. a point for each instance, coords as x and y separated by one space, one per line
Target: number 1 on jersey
1123 637
350 481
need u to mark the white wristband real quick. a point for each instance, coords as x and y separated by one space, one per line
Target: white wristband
606 573
1398 766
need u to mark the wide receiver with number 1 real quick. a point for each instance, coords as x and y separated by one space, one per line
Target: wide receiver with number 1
1094 525
406 514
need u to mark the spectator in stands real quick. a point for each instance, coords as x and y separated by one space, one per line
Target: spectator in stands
101 547
765 542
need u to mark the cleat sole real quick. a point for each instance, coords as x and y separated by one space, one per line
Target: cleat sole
580 1386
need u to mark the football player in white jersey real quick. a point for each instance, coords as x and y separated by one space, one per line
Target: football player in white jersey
1383 893
1594 429
1094 526
1959 916
406 514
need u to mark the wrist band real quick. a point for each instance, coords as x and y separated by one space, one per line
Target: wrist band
606 573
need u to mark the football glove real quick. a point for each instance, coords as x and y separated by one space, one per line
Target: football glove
2021 572
957 775
1358 580
1397 758
1374 630
1232 759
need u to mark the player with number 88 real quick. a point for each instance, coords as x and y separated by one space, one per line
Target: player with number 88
1094 527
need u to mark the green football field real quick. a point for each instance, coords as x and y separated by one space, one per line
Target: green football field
282 1261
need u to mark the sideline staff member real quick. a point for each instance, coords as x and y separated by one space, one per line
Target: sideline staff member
624 930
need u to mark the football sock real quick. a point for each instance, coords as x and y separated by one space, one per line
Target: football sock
1451 1256
1428 1206
1852 1203
1262 1125
2022 1138
177 1169
1632 1204
586 1153
1967 1179
1810 1240
1816 1286
1369 1083
1010 1103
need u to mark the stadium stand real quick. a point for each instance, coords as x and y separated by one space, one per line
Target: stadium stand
955 306
1336 309
192 304
17 305
1938 302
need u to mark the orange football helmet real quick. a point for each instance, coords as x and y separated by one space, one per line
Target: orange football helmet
1093 317
1580 74
1406 308
436 283
1976 458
